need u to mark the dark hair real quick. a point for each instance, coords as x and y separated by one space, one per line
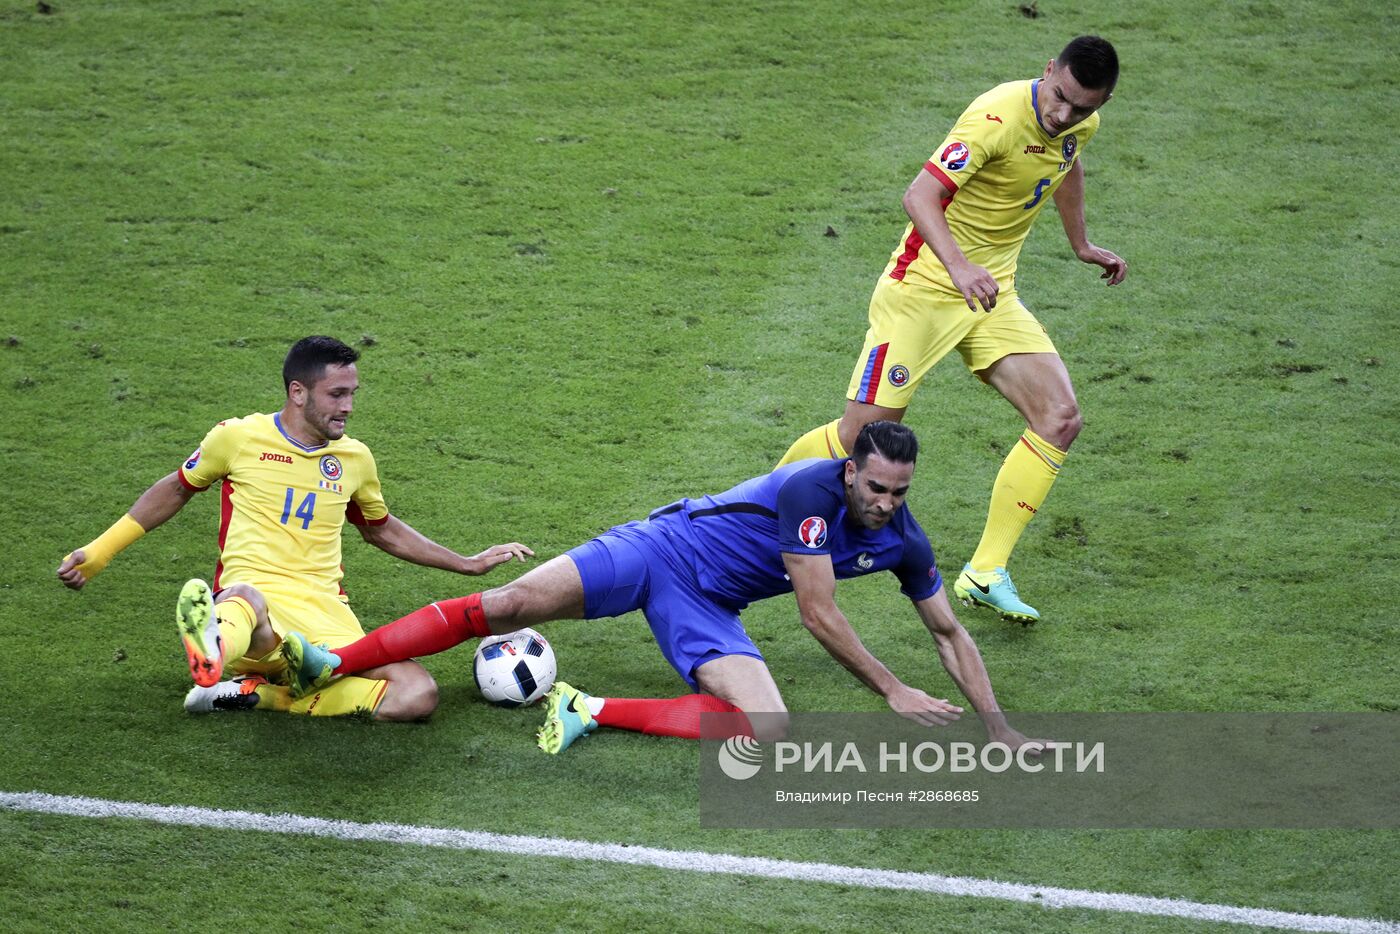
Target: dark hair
891 440
1092 61
307 360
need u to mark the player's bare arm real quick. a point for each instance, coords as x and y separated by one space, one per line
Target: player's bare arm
162 500
814 585
923 202
963 662
406 543
1069 201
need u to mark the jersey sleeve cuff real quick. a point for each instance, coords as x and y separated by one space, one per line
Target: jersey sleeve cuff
933 169
356 516
185 482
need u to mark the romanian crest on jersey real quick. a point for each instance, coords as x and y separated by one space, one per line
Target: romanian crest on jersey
1069 147
899 375
954 156
330 467
812 531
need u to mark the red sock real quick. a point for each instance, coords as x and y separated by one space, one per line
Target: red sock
434 628
673 716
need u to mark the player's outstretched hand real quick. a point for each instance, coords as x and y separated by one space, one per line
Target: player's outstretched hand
68 571
497 555
1115 268
974 282
920 707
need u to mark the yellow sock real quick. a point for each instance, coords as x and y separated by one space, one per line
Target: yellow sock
822 441
236 622
276 697
341 697
1022 484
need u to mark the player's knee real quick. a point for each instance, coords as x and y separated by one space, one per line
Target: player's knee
1061 425
249 593
769 727
502 606
410 697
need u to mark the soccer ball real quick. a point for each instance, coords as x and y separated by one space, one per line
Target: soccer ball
514 669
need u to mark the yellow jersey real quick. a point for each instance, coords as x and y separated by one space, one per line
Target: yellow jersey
283 504
1002 167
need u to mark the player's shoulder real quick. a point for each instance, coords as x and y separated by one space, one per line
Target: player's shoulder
1000 106
908 527
815 471
994 116
814 481
242 427
1004 94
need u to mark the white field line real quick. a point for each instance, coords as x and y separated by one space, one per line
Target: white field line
687 861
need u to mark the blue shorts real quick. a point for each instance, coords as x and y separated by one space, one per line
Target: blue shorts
637 567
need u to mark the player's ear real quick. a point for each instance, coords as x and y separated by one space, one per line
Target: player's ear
296 392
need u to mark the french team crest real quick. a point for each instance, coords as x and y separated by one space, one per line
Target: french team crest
954 156
812 531
1069 147
899 375
330 467
194 459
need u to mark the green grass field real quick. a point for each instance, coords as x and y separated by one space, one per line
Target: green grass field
584 251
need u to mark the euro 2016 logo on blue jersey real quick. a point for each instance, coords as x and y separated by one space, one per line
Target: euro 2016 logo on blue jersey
954 156
1069 147
194 459
812 531
899 375
330 467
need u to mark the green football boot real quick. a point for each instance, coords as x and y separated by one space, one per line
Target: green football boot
994 589
309 667
566 718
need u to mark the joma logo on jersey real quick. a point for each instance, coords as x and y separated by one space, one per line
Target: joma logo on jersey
1033 148
1027 506
280 458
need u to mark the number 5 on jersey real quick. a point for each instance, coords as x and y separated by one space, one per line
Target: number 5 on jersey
1040 187
305 512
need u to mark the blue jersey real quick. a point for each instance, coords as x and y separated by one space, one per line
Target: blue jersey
737 538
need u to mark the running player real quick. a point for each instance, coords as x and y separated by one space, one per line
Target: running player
952 283
691 568
289 482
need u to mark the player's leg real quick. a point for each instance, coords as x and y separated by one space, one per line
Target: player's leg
745 683
911 329
244 627
551 591
707 646
1015 357
259 682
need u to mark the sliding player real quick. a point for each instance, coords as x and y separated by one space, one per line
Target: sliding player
691 568
289 482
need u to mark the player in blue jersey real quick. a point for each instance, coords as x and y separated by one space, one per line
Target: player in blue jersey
691 568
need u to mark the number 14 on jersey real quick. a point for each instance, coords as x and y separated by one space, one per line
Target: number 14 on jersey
305 512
